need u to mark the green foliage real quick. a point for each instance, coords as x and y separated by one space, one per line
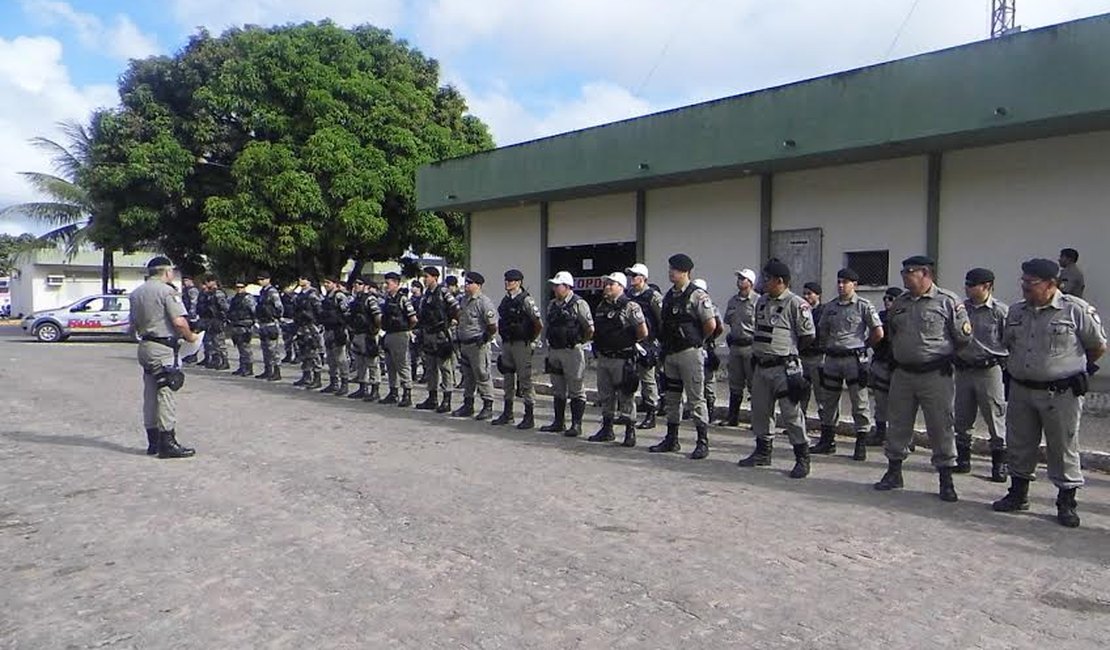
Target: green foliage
11 247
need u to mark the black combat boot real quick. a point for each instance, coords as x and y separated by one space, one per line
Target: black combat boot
240 371
374 394
648 422
360 393
487 410
892 479
733 417
316 381
827 443
265 374
430 403
151 442
1017 497
605 433
406 398
444 404
761 456
1065 508
999 470
528 421
558 425
860 452
801 460
701 447
506 416
248 370
390 398
168 447
343 388
275 374
466 410
332 385
306 378
629 435
224 364
878 436
577 410
963 459
947 490
669 441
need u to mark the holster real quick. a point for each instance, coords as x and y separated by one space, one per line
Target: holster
630 377
1006 384
169 377
712 361
1080 384
863 372
797 386
501 367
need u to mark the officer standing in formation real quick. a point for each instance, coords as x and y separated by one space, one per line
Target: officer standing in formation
784 327
928 325
436 315
882 367
812 357
268 314
569 325
740 318
334 311
619 327
190 295
288 326
848 326
651 304
365 323
688 319
711 361
159 318
979 387
398 321
1054 341
240 319
477 327
306 315
212 311
520 324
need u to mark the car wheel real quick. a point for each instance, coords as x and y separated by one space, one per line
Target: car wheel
48 333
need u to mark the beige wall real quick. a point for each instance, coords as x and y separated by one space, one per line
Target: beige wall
1002 205
595 220
504 239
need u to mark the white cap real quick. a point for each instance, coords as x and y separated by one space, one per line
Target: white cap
618 277
699 283
637 269
562 277
748 274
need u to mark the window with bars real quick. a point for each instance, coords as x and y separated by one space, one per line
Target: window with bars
873 267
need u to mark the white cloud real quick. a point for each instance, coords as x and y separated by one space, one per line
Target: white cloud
120 39
220 14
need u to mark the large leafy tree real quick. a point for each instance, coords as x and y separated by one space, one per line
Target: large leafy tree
11 247
291 147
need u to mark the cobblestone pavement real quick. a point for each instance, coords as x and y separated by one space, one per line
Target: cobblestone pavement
311 521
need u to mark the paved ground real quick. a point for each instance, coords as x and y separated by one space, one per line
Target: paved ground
308 521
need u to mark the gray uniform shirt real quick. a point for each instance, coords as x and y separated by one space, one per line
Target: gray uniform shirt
1051 343
846 325
1072 281
928 328
581 310
476 314
988 326
740 316
154 305
780 322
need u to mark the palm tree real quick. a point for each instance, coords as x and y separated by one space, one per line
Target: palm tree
68 207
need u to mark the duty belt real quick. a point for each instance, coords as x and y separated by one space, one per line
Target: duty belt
924 368
1058 386
476 339
812 352
740 343
840 354
627 353
772 362
979 364
168 341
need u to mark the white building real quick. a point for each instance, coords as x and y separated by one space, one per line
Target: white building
46 279
981 155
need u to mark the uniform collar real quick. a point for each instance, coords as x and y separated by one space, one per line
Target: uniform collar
1057 301
786 294
751 295
989 304
851 301
565 301
513 294
931 293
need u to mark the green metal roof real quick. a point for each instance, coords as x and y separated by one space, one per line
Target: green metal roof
1050 81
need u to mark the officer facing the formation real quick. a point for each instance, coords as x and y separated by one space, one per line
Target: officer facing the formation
569 325
520 324
740 318
334 311
882 367
688 319
928 325
240 318
212 312
783 327
365 322
268 313
306 316
398 321
190 295
159 318
847 327
647 363
979 387
437 313
619 327
477 327
1054 341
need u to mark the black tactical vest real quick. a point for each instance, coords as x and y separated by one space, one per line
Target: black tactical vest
266 312
563 329
306 309
610 332
393 316
680 328
330 315
239 313
433 310
359 319
644 300
516 323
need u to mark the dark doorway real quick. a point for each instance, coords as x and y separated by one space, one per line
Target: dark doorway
588 263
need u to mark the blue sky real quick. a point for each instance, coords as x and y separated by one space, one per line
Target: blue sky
529 68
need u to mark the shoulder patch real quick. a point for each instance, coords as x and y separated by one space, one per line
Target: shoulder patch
959 307
966 327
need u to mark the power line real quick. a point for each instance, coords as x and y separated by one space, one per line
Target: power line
898 34
667 45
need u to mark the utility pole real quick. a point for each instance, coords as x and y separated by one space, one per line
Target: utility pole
1003 17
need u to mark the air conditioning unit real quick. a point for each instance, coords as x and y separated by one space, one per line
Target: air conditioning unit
55 280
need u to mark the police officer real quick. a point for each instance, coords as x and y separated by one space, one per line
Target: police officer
306 315
1071 277
927 327
334 311
452 282
190 294
1054 341
979 364
813 357
288 327
437 313
365 322
212 313
569 325
268 313
520 324
159 318
477 327
783 327
240 318
650 301
740 318
688 319
882 367
712 360
416 354
847 327
619 327
398 321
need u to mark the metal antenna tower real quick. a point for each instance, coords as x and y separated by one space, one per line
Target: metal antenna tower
1003 17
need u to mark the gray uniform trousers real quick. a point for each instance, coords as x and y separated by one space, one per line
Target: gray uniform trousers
811 366
475 364
740 369
366 365
709 380
241 337
685 372
159 404
838 373
568 370
1057 415
933 392
516 359
769 388
309 344
215 341
979 390
397 366
268 335
610 376
439 372
880 389
649 386
339 363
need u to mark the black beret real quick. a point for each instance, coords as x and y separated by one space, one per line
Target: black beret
812 286
393 276
848 274
475 277
240 283
978 276
514 274
681 262
1041 268
360 279
919 260
893 292
432 271
159 261
451 280
777 269
262 275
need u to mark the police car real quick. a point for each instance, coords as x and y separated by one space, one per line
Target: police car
100 315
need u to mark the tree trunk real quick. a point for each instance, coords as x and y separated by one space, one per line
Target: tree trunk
107 270
355 272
